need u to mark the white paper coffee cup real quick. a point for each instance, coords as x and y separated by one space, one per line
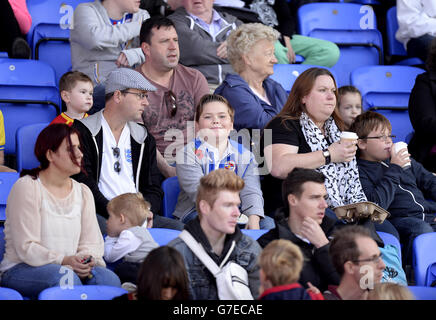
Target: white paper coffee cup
348 136
402 145
242 220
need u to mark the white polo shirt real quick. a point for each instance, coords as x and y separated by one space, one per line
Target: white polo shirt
112 183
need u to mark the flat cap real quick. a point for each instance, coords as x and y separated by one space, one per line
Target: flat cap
125 78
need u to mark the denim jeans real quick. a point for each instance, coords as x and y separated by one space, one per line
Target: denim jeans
265 223
420 47
30 281
409 228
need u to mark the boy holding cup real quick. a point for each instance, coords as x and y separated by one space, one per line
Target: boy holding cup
395 182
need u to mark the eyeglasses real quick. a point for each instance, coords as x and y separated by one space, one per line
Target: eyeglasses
383 138
117 165
375 259
140 95
171 102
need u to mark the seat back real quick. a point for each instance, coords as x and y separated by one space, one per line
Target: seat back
10 294
423 293
50 32
25 145
253 233
2 243
7 180
171 189
163 236
385 86
286 74
28 94
351 26
390 239
423 256
87 292
394 46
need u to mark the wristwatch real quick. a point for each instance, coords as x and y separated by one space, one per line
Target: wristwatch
326 154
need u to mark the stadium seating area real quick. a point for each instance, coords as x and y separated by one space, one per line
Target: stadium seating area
29 100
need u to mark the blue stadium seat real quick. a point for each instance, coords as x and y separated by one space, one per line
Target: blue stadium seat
28 94
87 292
424 255
423 293
351 26
163 236
396 48
25 144
171 189
390 239
7 180
9 294
254 234
386 89
430 279
50 32
2 243
286 74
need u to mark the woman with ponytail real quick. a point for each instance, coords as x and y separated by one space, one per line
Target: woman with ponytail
51 230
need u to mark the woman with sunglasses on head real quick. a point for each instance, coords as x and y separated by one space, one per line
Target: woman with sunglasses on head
51 230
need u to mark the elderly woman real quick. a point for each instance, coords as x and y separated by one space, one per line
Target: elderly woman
51 230
255 97
306 134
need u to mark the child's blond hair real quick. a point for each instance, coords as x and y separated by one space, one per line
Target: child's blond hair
281 261
390 291
132 205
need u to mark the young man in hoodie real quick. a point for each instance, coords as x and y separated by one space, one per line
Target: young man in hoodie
216 229
397 184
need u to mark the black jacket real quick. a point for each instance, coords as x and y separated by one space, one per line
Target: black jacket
401 192
318 267
422 113
143 145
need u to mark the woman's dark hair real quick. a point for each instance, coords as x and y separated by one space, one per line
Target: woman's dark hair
162 268
51 138
301 88
431 58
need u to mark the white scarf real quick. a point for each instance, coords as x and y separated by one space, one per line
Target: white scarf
342 178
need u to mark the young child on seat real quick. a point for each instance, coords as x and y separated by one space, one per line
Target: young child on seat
349 104
280 264
127 234
211 150
76 90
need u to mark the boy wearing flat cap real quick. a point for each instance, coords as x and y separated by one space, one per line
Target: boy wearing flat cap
119 156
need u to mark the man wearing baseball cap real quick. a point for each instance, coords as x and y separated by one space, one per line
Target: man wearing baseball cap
119 156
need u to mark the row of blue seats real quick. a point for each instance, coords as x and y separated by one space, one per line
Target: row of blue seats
350 25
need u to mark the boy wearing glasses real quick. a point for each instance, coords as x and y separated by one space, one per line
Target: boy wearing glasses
401 191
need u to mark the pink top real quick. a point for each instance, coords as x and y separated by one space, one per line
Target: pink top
21 14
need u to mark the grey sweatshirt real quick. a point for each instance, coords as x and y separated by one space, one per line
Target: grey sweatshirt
96 43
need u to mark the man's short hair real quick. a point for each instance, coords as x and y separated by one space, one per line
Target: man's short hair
344 248
295 180
132 205
369 121
216 181
69 80
154 22
281 262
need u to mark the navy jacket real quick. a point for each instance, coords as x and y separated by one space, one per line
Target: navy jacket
293 291
250 111
401 192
